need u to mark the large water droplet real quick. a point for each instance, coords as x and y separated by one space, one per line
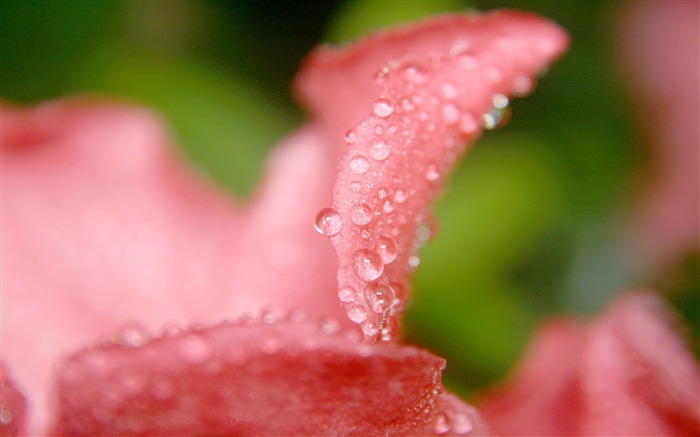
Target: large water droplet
357 314
380 151
383 108
359 164
328 222
368 264
386 248
346 294
361 214
381 297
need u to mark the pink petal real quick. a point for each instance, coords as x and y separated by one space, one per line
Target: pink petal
265 377
12 406
103 225
415 98
660 52
626 373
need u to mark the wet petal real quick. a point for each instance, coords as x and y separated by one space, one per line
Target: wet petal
263 377
419 96
624 374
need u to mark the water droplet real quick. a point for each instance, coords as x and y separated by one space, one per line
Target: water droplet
357 314
380 151
329 326
328 222
413 262
355 186
379 130
432 172
382 193
359 164
390 327
361 214
450 114
388 206
449 91
400 196
468 61
423 234
494 75
368 264
194 350
407 105
386 248
381 297
350 136
442 425
415 74
268 316
468 124
346 294
498 114
370 330
132 335
383 108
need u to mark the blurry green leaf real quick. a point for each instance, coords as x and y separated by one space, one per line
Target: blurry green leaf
223 123
500 202
359 17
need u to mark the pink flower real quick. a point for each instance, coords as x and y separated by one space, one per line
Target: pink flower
108 233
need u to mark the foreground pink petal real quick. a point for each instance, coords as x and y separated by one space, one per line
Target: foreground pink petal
286 377
105 226
660 51
414 101
626 373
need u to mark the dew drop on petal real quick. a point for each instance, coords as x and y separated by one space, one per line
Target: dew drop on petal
442 425
361 214
350 136
382 193
449 91
368 264
522 86
468 124
357 314
413 262
328 222
380 151
132 335
386 248
194 350
498 114
415 74
359 164
329 326
388 206
381 297
400 196
462 424
450 114
383 108
346 294
432 172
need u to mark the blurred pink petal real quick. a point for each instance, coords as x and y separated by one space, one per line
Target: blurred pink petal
416 102
626 373
660 51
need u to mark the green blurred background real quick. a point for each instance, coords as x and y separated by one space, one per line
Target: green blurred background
533 216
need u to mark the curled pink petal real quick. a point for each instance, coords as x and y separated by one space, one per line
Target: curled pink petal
626 373
263 377
412 100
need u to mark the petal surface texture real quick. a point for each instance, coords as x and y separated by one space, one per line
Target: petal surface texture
263 377
626 373
103 225
411 101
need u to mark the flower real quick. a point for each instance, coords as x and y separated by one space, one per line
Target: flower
111 235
